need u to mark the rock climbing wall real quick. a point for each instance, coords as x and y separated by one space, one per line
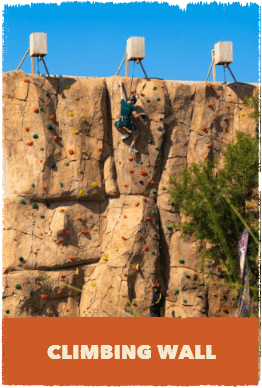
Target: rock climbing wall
88 225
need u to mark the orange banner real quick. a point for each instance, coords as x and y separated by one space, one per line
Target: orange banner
130 351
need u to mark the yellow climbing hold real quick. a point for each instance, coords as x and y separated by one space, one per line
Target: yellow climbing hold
94 184
137 267
116 249
84 151
71 114
106 257
82 193
242 114
76 98
83 119
250 205
58 151
75 132
79 170
93 284
95 229
89 312
137 218
77 271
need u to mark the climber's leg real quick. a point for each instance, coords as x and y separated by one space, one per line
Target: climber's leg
121 129
135 137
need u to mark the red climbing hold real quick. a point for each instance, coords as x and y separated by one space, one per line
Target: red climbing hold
146 248
148 218
79 218
204 128
130 159
137 204
224 310
5 272
67 233
125 274
209 105
218 268
44 187
36 110
26 129
132 92
131 171
44 297
142 95
99 149
123 238
119 162
140 236
218 95
144 199
143 172
52 117
153 182
71 258
29 143
125 185
208 145
134 304
41 234
59 292
84 231
142 145
26 80
37 282
214 118
114 191
61 239
71 152
55 138
210 87
61 210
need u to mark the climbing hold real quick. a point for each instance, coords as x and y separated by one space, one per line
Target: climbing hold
34 206
61 184
154 191
177 290
164 132
184 301
93 284
209 105
52 117
18 286
67 233
40 108
131 171
79 218
140 236
208 145
75 132
94 184
155 221
26 80
169 227
116 249
153 253
71 258
158 99
114 191
61 210
67 86
134 304
95 229
204 128
132 92
61 240
99 149
14 239
159 159
141 182
218 95
84 231
249 204
179 316
142 95
47 94
125 185
214 294
140 162
84 151
22 201
41 149
130 160
32 185
153 212
7 311
214 118
137 267
67 310
29 143
71 152
164 188
49 127
82 193
41 161
71 114
41 234
148 218
199 296
154 88
242 114
181 261
143 172
59 292
5 272
26 129
37 282
206 156
146 248
62 275
56 138
42 216
187 276
209 86
159 129
79 170
66 164
157 148
164 168
52 165
77 271
153 182
92 207
123 238
224 310
31 292
227 106
36 110
76 98
137 204
172 203
219 269
106 257
147 100
83 119
142 146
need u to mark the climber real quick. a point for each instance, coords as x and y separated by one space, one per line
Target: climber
157 300
124 124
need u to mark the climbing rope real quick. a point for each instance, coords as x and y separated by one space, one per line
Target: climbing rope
38 72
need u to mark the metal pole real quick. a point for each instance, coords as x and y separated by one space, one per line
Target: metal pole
209 70
121 65
23 59
33 65
214 66
143 69
45 67
231 73
127 67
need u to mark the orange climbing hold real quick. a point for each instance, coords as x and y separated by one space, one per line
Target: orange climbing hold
208 145
55 138
214 294
218 172
124 296
114 191
123 238
59 292
26 129
37 282
130 159
148 218
137 204
143 172
5 272
26 80
204 128
79 218
146 248
61 210
131 171
132 92
214 118
41 234
119 162
99 149
41 161
209 105
67 310
140 236
44 187
206 156
84 231
224 310
61 239
219 268
125 185
153 182
125 274
62 275
29 143
142 95
209 86
71 258
52 117
71 152
218 95
67 233
144 199
36 110
44 297
134 304
125 216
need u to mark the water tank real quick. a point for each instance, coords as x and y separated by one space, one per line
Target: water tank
223 53
38 44
135 48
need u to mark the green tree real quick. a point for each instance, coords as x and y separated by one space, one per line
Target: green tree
253 103
208 198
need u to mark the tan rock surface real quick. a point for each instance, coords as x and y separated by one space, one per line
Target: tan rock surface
84 117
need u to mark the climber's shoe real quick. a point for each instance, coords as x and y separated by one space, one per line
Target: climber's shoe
125 135
132 149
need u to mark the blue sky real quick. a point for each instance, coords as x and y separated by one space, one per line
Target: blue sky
85 39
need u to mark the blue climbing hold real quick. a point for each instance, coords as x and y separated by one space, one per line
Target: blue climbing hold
47 94
52 165
49 127
21 258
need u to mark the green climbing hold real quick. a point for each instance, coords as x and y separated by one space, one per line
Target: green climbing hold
153 212
93 207
7 311
42 216
179 316
40 108
177 290
199 296
155 221
181 261
67 164
154 191
169 227
47 205
35 136
159 128
49 127
47 94
22 201
33 185
21 258
140 162
52 165
18 286
164 188
67 86
14 239
31 292
187 276
164 132
159 159
34 206
158 99
42 149
157 148
149 141
164 168
172 203
153 253
61 184
184 301
208 265
154 88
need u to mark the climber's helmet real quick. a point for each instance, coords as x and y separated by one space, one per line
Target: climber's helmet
132 98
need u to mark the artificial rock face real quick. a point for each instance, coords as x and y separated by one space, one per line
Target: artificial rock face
85 221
